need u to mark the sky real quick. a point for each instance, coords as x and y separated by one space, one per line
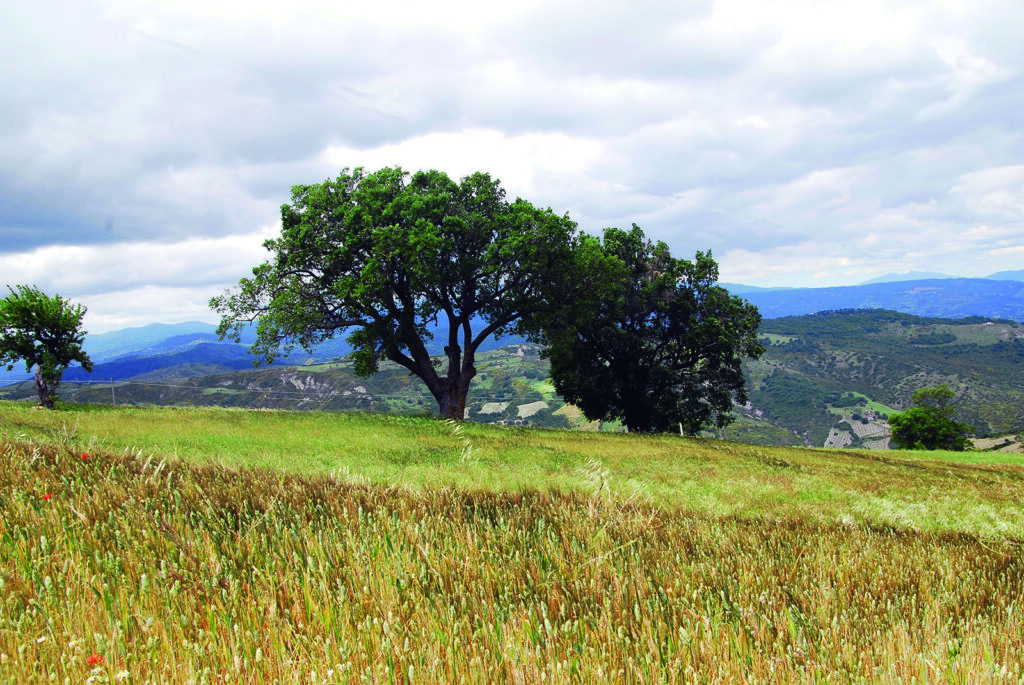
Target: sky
146 148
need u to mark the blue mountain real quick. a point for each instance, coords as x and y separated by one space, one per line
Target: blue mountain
945 298
1008 276
195 360
120 343
193 349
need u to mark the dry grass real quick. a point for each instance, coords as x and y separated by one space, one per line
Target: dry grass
183 573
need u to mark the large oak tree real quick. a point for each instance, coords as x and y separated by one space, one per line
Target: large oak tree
385 256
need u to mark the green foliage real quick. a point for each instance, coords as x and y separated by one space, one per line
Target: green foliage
846 399
936 399
44 332
658 345
938 338
929 425
384 255
796 401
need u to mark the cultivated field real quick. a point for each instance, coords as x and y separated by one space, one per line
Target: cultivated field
201 545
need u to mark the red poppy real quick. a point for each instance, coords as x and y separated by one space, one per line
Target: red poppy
94 659
47 497
85 456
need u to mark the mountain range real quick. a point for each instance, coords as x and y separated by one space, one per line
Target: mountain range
192 349
940 297
999 296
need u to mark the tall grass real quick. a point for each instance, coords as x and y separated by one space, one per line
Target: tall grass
177 572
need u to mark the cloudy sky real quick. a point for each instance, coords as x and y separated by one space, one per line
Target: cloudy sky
145 148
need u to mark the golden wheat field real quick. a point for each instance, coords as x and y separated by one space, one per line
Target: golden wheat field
124 565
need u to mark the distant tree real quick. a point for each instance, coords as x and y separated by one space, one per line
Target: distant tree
658 344
385 256
46 333
929 424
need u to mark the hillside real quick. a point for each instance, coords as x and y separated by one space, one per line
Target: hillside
697 474
820 369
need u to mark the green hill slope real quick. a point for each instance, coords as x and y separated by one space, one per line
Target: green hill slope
882 357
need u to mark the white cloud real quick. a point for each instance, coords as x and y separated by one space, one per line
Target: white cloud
211 263
995 193
804 142
136 306
527 164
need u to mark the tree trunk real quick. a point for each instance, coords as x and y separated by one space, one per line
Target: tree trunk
46 394
450 390
451 398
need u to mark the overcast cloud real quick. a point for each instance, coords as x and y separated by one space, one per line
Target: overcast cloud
145 148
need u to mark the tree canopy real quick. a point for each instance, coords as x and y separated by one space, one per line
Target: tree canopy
385 256
658 344
46 333
929 424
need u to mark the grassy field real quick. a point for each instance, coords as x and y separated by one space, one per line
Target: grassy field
204 545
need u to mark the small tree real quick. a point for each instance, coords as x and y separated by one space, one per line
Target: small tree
44 332
658 344
929 424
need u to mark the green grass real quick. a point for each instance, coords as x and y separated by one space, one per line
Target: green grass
981 334
777 339
872 405
209 545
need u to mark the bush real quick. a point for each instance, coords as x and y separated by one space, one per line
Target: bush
930 424
932 339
